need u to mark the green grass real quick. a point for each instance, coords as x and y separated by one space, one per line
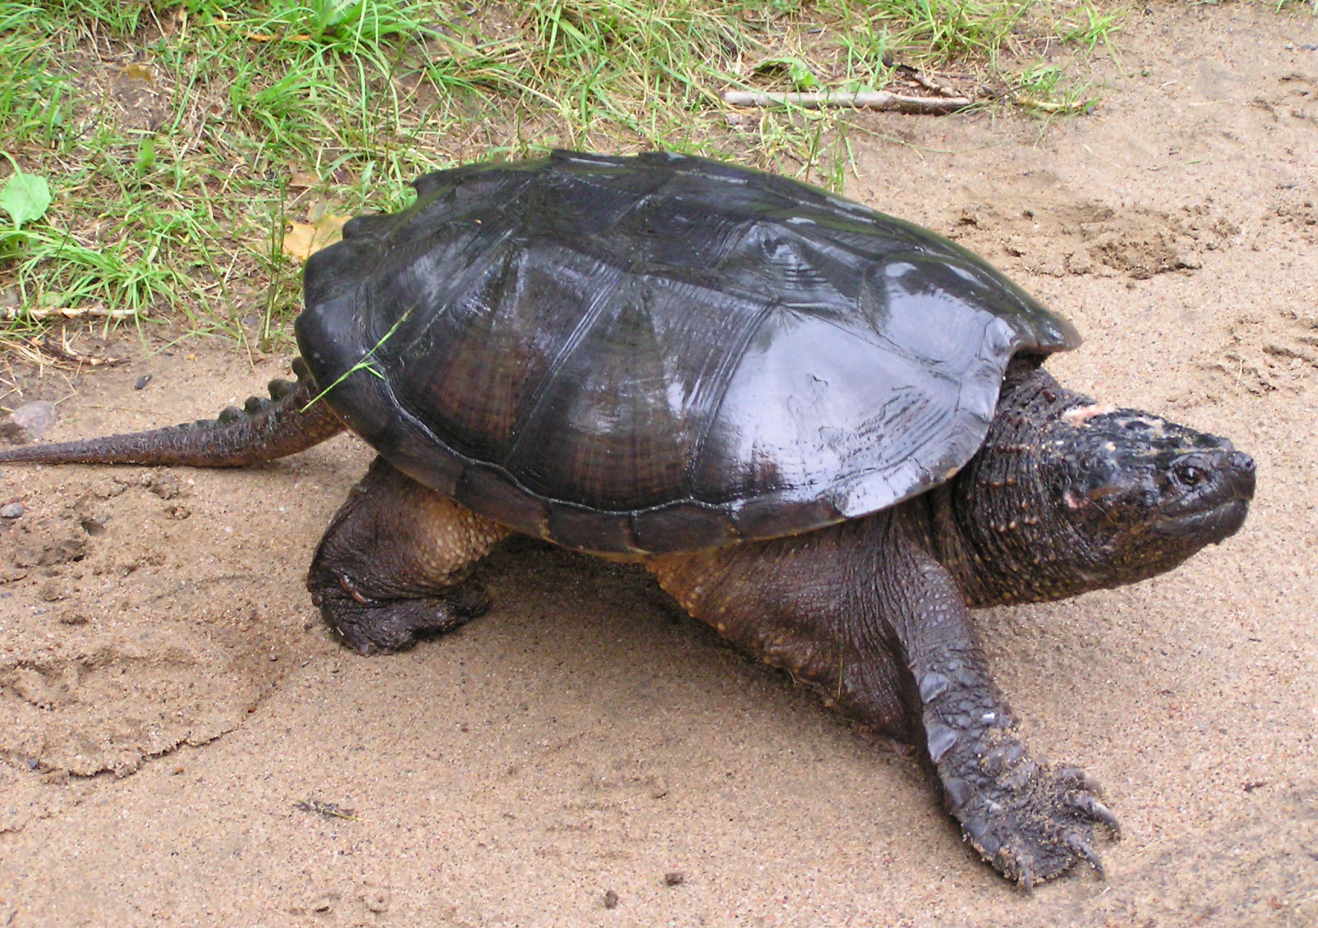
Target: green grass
179 137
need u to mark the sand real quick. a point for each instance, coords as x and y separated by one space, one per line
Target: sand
173 714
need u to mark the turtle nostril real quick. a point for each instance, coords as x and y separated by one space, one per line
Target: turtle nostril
1241 469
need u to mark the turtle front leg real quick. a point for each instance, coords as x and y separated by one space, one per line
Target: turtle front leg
867 615
395 560
1029 821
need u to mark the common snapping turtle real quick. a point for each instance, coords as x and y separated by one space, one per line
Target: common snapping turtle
824 430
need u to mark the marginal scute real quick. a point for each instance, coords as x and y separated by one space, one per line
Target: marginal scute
589 529
661 353
683 527
483 490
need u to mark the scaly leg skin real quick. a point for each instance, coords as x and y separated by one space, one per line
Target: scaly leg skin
868 616
1030 822
394 563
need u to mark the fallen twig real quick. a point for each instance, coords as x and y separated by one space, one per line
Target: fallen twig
13 314
872 99
67 353
925 81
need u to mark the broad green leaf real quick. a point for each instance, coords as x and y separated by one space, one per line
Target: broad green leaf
26 197
798 71
800 74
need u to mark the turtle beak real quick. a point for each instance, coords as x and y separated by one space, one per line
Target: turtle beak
1216 488
1228 471
1241 468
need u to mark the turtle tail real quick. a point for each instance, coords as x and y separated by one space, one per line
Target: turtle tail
264 429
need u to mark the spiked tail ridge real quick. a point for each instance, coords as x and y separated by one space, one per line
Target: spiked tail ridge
264 429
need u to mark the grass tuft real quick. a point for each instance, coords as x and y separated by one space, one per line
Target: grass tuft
180 137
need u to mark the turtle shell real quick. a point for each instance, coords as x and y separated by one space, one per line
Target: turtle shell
660 353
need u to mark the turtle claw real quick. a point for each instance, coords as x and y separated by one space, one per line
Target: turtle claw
1083 849
1034 824
1025 882
1079 779
1096 811
382 626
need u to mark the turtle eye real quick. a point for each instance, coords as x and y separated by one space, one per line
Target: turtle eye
1190 475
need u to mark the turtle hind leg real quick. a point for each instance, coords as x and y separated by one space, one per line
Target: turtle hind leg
395 563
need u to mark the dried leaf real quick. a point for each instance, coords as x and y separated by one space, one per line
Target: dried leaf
303 179
139 72
320 208
304 239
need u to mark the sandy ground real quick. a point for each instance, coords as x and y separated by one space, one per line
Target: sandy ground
168 696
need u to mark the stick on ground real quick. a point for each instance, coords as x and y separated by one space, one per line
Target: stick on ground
874 100
12 314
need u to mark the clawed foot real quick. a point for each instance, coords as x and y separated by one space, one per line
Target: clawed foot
1030 822
370 625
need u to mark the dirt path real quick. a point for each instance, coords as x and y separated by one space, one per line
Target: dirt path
168 697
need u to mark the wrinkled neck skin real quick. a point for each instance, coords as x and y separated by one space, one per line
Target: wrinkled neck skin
996 521
1068 495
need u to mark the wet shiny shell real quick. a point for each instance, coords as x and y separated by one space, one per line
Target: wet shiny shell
661 353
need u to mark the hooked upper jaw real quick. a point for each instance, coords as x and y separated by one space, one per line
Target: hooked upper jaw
1215 491
1192 488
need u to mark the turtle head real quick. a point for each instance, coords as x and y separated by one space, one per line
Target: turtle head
1071 495
1146 493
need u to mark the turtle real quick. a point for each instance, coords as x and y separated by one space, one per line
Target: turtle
827 432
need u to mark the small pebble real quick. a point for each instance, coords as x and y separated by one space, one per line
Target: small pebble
52 591
11 510
30 421
142 382
74 617
610 900
675 878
